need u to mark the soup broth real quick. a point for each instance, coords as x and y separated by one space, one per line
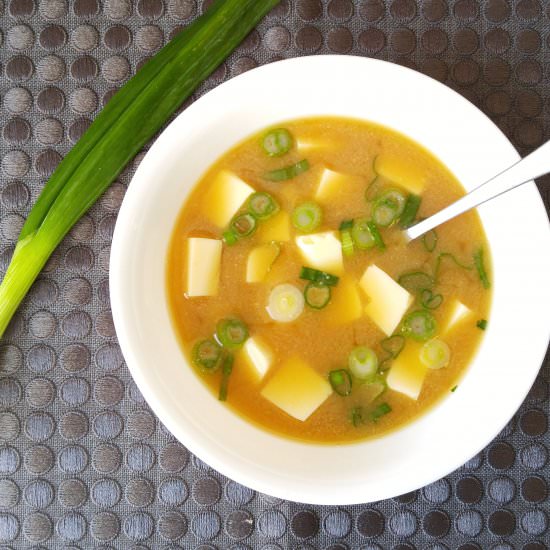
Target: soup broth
377 330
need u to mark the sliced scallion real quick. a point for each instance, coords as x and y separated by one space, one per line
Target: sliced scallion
346 238
277 142
227 369
243 225
410 210
231 333
395 197
130 118
307 217
207 355
480 267
356 416
419 325
318 276
286 303
482 324
429 240
317 295
288 172
393 345
447 255
415 281
435 354
363 363
429 300
229 238
380 411
340 380
385 212
262 205
366 235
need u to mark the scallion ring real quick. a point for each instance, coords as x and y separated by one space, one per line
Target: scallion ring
429 300
385 212
243 225
317 295
207 355
307 217
435 354
429 240
396 197
363 363
231 333
366 235
262 205
277 142
419 325
416 281
286 303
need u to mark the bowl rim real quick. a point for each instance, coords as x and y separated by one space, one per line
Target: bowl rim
119 262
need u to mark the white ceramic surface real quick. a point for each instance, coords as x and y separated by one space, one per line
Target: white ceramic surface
516 225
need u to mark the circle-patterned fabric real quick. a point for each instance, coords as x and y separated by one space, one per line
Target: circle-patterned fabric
83 461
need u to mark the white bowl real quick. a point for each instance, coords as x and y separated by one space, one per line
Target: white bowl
516 224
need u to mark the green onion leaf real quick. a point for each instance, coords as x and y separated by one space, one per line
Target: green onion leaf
482 324
229 238
453 389
429 300
356 416
132 116
481 271
430 240
447 255
416 281
419 325
340 380
317 295
277 142
347 242
385 212
317 276
380 411
227 369
408 216
288 172
366 235
307 217
346 224
394 197
262 206
435 354
231 333
393 345
207 355
363 363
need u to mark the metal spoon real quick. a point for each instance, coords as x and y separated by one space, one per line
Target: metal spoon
532 166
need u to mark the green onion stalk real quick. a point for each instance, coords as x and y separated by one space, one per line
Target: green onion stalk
127 122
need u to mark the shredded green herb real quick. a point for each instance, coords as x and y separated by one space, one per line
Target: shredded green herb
408 216
453 389
480 266
227 369
380 411
482 324
288 172
416 281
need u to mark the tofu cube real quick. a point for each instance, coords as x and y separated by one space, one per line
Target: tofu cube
407 372
456 314
402 172
225 197
258 356
275 229
388 301
345 305
322 251
260 260
203 266
297 389
332 185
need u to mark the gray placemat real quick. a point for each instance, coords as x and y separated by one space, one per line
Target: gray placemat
84 463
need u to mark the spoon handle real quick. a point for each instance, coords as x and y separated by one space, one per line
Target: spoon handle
532 166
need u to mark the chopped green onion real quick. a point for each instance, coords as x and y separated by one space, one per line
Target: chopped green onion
369 391
340 380
286 303
229 238
346 224
395 197
385 212
419 325
227 369
453 389
307 217
207 355
137 111
231 333
363 363
451 257
288 172
408 216
243 225
356 415
481 271
430 300
317 276
430 240
277 142
416 281
347 242
317 295
482 324
366 235
435 354
393 345
262 205
380 411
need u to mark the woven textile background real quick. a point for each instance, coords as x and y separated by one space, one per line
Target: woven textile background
84 463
